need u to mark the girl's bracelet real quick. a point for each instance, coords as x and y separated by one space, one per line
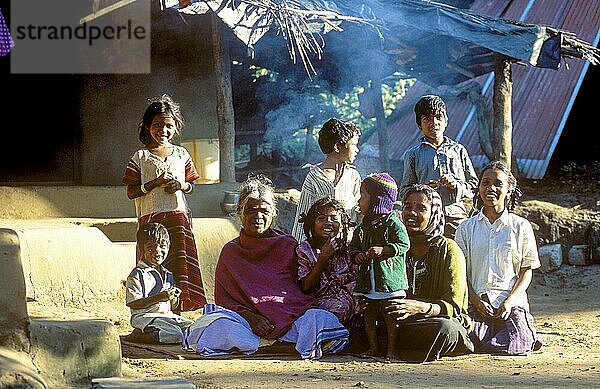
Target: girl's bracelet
429 311
189 189
143 189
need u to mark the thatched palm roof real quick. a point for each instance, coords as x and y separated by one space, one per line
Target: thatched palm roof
440 44
432 41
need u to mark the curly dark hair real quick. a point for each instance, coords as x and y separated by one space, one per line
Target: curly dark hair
162 105
311 216
335 131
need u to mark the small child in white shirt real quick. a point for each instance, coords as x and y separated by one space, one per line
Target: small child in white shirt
151 292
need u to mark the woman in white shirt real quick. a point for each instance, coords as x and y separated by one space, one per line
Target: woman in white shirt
501 253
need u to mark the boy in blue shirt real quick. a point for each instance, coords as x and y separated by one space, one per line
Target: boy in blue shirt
440 162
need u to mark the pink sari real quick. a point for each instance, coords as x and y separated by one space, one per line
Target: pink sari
261 275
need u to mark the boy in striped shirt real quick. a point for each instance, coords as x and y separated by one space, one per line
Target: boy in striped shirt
335 176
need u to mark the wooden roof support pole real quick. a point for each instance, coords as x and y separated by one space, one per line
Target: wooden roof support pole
225 114
502 102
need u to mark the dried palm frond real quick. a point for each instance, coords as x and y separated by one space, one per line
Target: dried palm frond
574 47
577 48
301 23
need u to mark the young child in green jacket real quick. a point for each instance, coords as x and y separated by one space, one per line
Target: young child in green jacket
379 246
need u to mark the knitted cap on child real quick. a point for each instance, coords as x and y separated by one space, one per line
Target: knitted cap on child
382 190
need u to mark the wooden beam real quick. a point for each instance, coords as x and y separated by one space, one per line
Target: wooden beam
105 10
502 102
225 114
460 70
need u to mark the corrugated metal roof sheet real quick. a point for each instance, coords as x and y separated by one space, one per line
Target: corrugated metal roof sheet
542 98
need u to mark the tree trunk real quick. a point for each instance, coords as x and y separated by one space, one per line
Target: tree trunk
225 114
484 127
382 133
308 142
502 102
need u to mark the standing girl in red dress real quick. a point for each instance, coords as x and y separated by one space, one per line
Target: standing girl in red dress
158 177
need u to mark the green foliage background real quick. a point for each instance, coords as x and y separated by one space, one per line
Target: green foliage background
346 106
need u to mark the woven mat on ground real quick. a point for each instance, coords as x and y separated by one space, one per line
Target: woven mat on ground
277 350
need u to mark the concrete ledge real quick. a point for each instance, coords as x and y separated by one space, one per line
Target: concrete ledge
69 346
72 266
211 234
65 262
38 202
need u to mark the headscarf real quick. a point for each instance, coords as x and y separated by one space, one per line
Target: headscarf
435 227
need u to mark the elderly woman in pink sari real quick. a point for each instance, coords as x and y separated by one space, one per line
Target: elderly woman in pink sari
257 290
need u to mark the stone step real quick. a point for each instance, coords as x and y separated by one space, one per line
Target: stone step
142 383
71 347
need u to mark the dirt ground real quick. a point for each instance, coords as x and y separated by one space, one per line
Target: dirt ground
565 304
